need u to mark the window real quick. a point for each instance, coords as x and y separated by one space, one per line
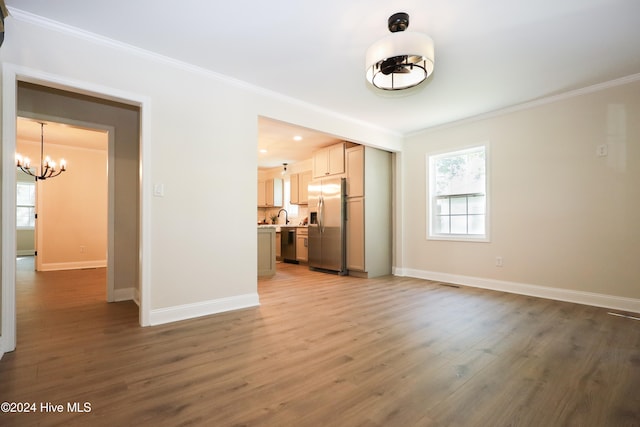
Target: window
292 210
25 205
458 195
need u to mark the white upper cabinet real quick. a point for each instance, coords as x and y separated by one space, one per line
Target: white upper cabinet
270 193
329 161
299 188
303 190
355 171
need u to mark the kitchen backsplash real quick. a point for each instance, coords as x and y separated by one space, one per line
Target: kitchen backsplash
295 218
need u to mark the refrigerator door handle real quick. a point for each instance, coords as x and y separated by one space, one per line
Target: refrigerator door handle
321 214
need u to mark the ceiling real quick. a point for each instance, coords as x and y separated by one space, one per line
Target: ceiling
60 134
489 54
280 142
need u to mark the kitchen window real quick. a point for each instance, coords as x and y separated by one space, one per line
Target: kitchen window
458 199
26 205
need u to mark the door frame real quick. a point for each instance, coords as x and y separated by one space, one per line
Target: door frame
11 75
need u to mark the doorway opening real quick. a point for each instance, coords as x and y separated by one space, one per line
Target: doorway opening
34 94
63 221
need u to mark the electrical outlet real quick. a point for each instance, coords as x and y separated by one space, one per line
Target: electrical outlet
498 261
602 150
83 249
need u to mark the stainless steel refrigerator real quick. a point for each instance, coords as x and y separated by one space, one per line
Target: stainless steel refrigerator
327 225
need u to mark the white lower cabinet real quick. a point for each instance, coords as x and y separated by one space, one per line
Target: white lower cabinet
302 244
355 234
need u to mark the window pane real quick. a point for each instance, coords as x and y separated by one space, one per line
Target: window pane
442 206
25 193
476 224
461 172
25 216
459 224
476 205
442 225
458 205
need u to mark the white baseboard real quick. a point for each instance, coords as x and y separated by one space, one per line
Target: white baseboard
124 294
136 296
190 311
568 295
55 266
1 348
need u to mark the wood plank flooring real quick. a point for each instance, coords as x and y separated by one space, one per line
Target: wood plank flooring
322 350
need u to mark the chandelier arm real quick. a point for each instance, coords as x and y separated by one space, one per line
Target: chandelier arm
52 174
27 171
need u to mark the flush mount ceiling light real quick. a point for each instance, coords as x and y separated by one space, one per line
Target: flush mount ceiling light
402 59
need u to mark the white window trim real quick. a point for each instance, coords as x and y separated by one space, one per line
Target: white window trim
486 238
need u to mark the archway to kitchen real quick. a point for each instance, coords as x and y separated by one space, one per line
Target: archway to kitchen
284 169
342 189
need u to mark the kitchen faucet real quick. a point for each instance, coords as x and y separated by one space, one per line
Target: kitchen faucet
286 216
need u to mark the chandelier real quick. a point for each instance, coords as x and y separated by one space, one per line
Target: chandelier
48 168
400 60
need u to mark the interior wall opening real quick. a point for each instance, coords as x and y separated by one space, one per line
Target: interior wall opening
120 123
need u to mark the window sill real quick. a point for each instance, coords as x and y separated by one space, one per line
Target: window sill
460 238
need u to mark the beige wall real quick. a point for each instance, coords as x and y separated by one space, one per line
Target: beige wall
72 208
25 242
561 216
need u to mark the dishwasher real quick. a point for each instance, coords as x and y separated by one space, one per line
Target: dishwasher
288 244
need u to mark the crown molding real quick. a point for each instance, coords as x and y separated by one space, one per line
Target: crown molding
88 36
532 104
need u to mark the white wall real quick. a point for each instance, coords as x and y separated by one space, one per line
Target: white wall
561 217
202 133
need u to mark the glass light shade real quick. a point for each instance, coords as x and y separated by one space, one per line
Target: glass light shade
417 47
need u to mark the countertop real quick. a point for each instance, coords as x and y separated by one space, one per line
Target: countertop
279 226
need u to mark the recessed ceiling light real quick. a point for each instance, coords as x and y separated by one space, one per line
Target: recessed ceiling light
262 150
297 138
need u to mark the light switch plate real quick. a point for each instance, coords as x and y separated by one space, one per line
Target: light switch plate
158 190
